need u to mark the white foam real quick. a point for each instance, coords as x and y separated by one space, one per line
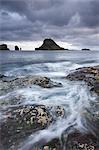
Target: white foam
76 96
48 69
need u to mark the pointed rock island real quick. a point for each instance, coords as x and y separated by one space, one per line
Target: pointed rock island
49 44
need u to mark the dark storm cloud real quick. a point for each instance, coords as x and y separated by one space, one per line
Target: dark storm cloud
89 13
13 6
65 20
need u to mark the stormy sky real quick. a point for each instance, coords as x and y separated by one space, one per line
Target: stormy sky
72 22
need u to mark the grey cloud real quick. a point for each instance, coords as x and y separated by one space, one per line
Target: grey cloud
66 20
89 13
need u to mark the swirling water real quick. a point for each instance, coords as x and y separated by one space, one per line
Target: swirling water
74 97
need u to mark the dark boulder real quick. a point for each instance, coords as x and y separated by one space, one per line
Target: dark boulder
4 47
49 44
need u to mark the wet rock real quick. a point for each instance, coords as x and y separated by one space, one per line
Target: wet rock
55 144
21 121
82 141
95 88
90 141
6 78
74 141
90 75
57 111
8 84
92 121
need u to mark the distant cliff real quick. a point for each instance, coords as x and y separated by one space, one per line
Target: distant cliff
4 47
49 44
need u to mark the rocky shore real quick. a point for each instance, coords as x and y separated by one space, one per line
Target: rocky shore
8 84
20 121
90 75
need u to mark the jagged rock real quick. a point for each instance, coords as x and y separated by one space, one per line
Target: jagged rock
88 74
16 48
7 84
54 144
49 44
74 141
4 47
81 141
21 121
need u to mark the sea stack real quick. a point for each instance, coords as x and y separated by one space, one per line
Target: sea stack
4 47
49 44
16 48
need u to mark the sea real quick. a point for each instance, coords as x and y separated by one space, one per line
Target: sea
74 97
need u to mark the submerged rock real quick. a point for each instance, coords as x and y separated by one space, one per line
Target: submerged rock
7 84
88 74
49 44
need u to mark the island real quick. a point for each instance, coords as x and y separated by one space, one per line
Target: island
49 44
3 47
85 49
16 48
